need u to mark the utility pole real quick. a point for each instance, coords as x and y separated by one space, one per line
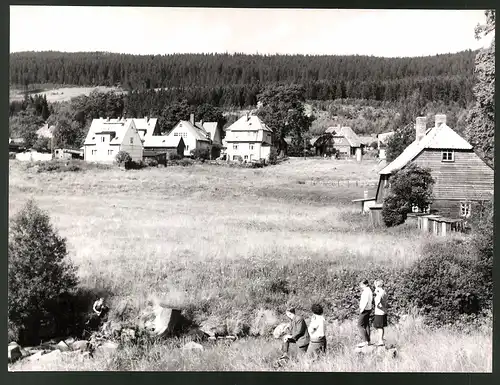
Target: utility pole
305 148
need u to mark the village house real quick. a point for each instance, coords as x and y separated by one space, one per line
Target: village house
16 145
382 140
249 138
463 181
146 127
45 131
194 137
213 129
341 142
107 137
164 144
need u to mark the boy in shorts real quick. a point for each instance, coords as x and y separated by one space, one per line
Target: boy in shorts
380 320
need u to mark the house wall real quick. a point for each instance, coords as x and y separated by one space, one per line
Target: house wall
383 188
467 177
244 149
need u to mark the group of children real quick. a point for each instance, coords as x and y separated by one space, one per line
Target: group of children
312 339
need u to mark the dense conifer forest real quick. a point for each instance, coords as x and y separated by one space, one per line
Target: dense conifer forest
236 79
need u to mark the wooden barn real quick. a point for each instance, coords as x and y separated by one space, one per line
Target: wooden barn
463 181
339 141
164 144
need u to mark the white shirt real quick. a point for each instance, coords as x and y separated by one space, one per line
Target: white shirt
316 327
380 301
365 303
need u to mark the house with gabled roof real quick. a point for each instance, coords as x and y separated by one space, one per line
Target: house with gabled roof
463 181
213 129
46 131
382 140
249 138
157 144
342 142
194 137
146 126
107 137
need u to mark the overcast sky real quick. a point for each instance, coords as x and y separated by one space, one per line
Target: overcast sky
305 31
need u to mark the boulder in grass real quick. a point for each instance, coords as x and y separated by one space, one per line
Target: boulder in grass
281 330
81 345
192 346
107 347
14 352
161 321
264 322
63 346
69 341
214 327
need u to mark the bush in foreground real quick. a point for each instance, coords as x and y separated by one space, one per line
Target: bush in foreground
39 273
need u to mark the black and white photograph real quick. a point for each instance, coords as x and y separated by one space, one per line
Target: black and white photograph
250 189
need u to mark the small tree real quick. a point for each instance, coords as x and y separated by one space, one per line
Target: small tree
401 139
273 156
39 272
123 158
411 186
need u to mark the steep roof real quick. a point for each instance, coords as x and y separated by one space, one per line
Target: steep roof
347 133
45 131
440 138
145 126
249 123
209 128
162 141
197 132
384 137
367 140
118 126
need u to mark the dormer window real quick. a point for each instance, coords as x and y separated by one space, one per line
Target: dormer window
448 156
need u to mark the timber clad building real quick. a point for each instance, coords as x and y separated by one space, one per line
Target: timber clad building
463 181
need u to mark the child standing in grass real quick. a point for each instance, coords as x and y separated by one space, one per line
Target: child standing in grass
365 309
380 321
316 330
298 334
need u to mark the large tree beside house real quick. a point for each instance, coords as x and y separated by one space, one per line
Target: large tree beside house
283 111
402 138
481 128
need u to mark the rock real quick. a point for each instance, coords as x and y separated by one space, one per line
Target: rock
81 345
264 322
13 343
69 341
62 346
281 330
214 327
236 325
107 347
14 352
127 335
36 356
367 349
162 321
47 358
192 346
389 351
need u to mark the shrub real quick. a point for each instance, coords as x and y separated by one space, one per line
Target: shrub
411 186
273 156
185 162
38 272
200 153
174 156
151 162
445 283
123 158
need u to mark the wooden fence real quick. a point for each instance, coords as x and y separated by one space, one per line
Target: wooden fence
343 183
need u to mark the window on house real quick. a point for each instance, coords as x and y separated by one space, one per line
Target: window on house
251 147
235 146
187 147
414 209
103 139
465 209
235 157
246 157
94 152
176 134
131 140
448 156
110 152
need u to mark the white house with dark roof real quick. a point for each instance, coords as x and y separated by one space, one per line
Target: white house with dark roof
107 137
249 138
193 136
146 126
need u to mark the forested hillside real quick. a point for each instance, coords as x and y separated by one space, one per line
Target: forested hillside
236 80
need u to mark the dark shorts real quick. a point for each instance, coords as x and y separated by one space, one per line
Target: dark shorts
380 321
364 318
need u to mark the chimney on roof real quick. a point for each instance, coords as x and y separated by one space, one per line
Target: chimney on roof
191 119
440 119
107 119
420 128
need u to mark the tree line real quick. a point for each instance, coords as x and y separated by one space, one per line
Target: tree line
237 79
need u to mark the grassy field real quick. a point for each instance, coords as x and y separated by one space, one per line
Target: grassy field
207 235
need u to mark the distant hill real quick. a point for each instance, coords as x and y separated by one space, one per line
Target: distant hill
235 80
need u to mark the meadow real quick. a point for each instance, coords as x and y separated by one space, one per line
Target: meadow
209 238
